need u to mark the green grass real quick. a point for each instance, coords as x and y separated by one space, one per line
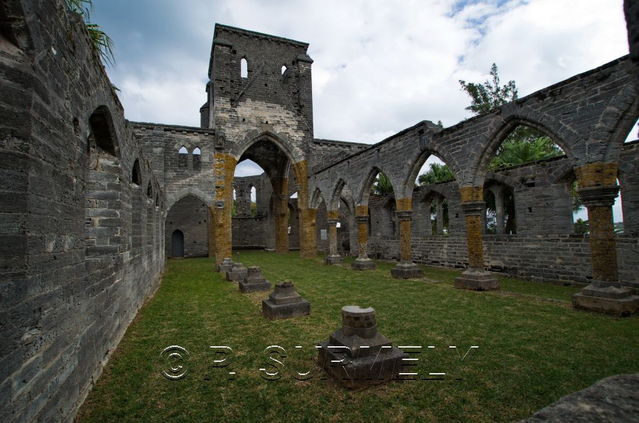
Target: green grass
531 351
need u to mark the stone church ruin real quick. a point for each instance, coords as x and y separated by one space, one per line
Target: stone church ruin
93 204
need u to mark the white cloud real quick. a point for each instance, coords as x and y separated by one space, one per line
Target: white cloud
381 67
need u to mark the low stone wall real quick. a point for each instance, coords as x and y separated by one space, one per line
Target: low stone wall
556 258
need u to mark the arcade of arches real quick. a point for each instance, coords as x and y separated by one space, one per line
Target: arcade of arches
94 204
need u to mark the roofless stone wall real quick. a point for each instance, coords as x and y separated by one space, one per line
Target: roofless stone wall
81 214
84 194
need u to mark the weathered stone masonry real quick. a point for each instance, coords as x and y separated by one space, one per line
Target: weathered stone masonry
89 201
81 212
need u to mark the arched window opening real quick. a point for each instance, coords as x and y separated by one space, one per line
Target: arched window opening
102 133
618 212
102 229
244 68
283 69
294 195
500 209
633 135
523 145
234 209
197 158
149 190
136 175
253 201
381 185
579 212
183 154
435 211
393 227
434 171
381 208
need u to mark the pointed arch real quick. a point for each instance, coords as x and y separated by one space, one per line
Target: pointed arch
423 157
336 194
136 174
317 198
365 188
560 134
103 132
244 70
623 120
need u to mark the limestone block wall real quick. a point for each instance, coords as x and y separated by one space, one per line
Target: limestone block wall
250 232
81 214
191 217
559 258
180 174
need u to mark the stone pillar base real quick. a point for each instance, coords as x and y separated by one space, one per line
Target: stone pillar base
363 264
285 303
363 371
407 271
225 266
273 311
609 300
336 259
477 280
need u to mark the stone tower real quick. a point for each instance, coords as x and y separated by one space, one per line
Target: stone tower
260 107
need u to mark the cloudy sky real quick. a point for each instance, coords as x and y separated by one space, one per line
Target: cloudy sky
379 65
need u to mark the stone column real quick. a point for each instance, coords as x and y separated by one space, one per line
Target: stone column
476 277
223 169
333 256
405 269
598 189
308 233
280 210
211 231
281 224
362 262
498 192
439 209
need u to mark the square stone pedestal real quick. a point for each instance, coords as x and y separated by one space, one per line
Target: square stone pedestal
334 260
477 280
237 273
612 300
363 264
357 355
285 303
225 266
407 271
254 281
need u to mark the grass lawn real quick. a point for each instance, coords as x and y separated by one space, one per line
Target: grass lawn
533 348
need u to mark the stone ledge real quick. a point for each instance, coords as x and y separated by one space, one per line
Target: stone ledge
366 264
477 280
614 306
407 271
334 259
614 400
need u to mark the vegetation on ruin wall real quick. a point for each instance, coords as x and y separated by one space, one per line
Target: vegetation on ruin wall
533 348
101 42
521 146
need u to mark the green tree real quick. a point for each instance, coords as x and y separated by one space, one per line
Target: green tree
524 144
489 94
382 185
436 174
101 42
